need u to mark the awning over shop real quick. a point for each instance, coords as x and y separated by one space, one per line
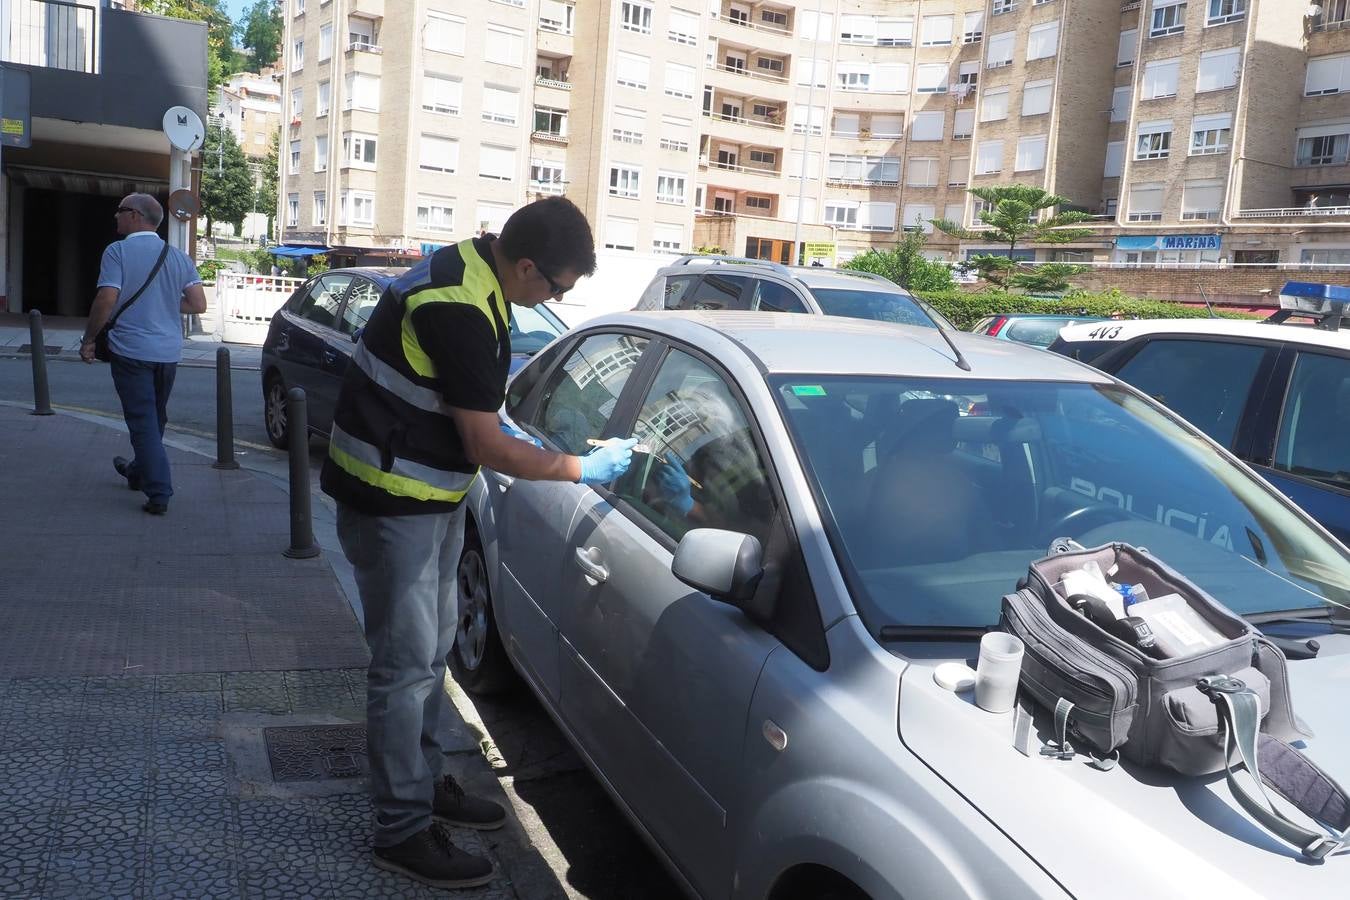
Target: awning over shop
296 252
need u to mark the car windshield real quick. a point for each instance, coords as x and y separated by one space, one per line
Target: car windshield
532 328
937 493
1039 332
879 306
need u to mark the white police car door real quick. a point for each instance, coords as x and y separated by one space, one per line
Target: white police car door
657 677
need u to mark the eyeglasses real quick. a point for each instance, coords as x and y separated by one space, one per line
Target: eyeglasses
128 209
555 289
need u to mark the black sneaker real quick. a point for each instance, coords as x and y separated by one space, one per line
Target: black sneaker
454 807
432 858
155 507
123 467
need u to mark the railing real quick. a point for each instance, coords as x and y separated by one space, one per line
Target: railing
53 34
364 47
1293 212
754 26
735 167
862 182
742 120
561 84
550 137
752 73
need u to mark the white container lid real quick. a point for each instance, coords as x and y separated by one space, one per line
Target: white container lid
954 676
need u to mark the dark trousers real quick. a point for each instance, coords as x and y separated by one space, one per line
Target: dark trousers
143 388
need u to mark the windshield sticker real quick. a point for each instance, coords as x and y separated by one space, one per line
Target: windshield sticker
808 390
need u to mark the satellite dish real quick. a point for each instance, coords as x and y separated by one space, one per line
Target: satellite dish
184 205
183 128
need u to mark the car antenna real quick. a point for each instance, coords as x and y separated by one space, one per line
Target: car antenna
960 360
1205 297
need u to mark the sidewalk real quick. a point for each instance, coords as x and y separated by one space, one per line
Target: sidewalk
181 707
61 336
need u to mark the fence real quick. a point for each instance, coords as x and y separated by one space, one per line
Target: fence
54 34
244 305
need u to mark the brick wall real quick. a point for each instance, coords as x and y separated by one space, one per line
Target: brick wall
1239 286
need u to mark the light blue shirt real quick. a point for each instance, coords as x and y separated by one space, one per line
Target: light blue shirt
152 330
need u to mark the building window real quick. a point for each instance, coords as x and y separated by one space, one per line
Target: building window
363 92
504 46
1201 200
804 118
774 19
299 7
1169 17
1220 12
670 187
321 153
297 103
675 131
297 56
635 17
1323 146
358 208
680 81
1004 6
769 64
443 33
633 70
323 98
1218 70
294 168
1125 48
931 79
958 173
1327 75
325 41
1043 41
928 126
919 217
441 94
629 125
1036 97
292 210
972 28
895 32
1153 141
682 27
1211 134
854 78
500 105
624 181
1160 78
1115 160
1145 203
550 121
492 216
667 238
937 31
762 204
922 172
764 158
989 158
435 213
994 105
437 154
620 233
841 214
546 177
964 125
320 208
999 50
358 150
1030 153
857 29
1120 104
496 162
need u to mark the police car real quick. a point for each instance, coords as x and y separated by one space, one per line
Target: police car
1273 392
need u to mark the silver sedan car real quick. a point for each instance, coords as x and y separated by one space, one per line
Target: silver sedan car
740 634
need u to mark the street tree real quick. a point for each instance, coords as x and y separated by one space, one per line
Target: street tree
1014 216
906 265
269 184
261 31
228 190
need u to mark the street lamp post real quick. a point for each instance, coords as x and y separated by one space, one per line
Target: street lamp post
806 139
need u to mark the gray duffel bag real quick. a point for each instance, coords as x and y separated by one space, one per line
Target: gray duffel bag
1217 709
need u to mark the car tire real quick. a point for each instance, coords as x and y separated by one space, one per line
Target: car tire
477 658
274 411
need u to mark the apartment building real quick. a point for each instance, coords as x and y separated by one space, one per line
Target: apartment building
250 105
1195 130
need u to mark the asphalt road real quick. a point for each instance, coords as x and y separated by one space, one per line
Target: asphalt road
593 851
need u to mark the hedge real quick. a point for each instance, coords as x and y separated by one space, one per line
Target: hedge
964 309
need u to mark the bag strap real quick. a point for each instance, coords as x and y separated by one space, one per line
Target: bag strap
159 263
1239 708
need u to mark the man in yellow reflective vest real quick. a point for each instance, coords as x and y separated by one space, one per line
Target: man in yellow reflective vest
416 417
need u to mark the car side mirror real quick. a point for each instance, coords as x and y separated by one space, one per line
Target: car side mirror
725 565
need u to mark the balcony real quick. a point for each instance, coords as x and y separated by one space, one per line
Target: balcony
1297 212
762 18
561 84
367 9
52 35
549 137
364 47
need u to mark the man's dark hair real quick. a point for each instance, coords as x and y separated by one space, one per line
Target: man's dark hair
552 233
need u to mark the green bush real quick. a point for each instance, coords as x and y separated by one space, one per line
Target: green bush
906 265
965 310
208 268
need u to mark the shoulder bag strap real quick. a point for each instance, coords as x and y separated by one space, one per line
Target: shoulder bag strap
159 263
1240 711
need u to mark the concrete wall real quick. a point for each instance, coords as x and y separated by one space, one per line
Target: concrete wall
1238 286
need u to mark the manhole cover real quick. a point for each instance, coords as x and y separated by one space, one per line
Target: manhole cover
316 752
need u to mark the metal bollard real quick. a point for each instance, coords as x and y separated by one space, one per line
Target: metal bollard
42 400
302 527
224 413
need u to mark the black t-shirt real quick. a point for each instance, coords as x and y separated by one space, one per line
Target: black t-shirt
469 365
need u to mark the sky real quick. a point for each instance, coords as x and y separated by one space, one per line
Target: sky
236 9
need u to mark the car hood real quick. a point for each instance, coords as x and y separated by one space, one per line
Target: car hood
1133 832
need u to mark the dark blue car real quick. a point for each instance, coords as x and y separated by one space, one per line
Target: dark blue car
312 336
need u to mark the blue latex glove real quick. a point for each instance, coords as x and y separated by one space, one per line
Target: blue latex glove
607 462
520 435
672 482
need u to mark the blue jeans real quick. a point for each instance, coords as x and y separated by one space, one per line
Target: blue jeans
143 388
406 570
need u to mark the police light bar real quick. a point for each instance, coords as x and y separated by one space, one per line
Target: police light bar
1324 302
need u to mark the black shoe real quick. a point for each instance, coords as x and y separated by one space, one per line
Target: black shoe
123 467
432 858
454 807
155 507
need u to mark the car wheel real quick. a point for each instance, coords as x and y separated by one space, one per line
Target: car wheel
477 657
274 411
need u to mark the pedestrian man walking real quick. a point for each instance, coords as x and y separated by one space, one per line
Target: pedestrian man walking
416 417
147 285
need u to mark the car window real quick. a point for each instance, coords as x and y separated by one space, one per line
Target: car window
713 291
1036 332
703 470
532 328
879 306
320 304
1206 382
770 296
581 394
677 287
1313 439
360 304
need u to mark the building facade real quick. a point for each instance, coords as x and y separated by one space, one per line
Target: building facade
1200 131
249 104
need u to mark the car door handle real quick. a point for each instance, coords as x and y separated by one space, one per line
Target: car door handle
503 482
284 341
587 559
330 356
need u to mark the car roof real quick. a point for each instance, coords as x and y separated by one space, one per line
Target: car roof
813 277
1132 328
1011 316
381 274
832 345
